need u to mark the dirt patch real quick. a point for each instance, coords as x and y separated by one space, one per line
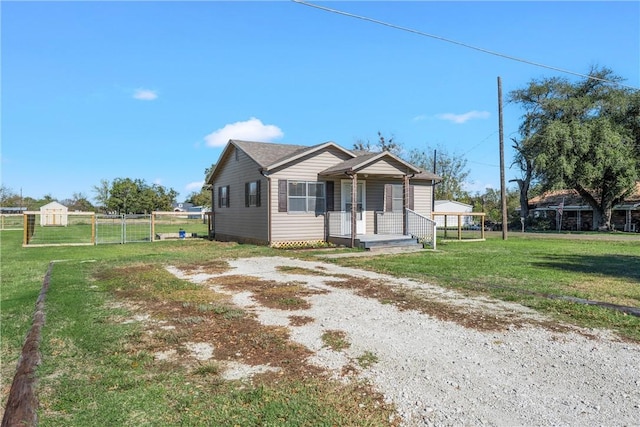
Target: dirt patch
465 315
269 293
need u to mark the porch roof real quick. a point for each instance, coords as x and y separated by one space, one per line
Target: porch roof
396 166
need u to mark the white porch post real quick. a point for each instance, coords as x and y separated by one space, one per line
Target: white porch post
405 203
354 207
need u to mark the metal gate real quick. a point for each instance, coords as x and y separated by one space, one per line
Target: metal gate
123 229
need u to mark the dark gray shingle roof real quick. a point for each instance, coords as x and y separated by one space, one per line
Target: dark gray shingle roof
265 154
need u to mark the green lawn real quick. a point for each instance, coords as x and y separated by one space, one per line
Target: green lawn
98 370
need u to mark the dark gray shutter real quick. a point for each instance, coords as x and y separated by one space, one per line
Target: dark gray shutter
282 195
246 194
328 186
228 195
219 197
258 193
388 197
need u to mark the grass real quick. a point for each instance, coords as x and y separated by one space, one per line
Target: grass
99 368
335 340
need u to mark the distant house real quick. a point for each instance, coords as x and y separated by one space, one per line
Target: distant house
578 214
182 207
53 214
286 195
452 207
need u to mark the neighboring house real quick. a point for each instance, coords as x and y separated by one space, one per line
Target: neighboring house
54 214
578 214
182 207
452 207
288 195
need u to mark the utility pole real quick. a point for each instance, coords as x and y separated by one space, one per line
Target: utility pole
503 195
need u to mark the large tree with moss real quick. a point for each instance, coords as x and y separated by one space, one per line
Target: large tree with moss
583 135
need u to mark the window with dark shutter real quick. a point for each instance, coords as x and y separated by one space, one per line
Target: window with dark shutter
252 193
223 197
388 197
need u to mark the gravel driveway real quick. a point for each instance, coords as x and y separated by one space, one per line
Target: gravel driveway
439 372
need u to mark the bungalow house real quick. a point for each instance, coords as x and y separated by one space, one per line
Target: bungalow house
292 195
577 214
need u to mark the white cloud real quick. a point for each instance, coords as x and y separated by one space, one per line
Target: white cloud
465 117
194 186
157 181
252 130
145 94
420 118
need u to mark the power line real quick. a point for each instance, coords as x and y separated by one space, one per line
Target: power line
433 36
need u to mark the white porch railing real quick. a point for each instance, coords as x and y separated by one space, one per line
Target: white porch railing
422 228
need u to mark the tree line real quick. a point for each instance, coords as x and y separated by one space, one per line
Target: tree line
120 196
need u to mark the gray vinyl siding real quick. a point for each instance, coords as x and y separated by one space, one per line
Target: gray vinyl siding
422 197
238 222
375 201
298 226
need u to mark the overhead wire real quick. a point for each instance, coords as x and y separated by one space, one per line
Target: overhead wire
480 49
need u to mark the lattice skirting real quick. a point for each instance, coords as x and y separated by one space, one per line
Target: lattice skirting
300 244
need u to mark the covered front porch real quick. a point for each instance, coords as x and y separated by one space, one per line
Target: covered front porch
391 229
380 200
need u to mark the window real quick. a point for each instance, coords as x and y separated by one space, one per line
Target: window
252 193
306 196
223 197
396 198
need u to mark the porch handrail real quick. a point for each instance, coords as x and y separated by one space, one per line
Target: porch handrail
422 228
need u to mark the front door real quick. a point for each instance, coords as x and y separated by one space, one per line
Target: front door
346 204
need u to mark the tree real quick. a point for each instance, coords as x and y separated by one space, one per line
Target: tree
78 202
8 198
136 196
526 165
102 194
452 168
200 198
383 144
583 135
490 203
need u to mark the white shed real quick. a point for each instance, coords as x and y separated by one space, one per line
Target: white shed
53 214
453 207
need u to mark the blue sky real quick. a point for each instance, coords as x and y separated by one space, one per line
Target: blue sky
151 90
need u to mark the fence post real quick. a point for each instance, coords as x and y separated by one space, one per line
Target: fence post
153 226
93 229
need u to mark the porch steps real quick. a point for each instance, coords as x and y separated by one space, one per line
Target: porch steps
396 242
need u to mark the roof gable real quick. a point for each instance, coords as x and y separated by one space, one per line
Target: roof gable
269 156
367 160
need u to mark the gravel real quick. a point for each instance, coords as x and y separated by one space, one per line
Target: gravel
441 373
